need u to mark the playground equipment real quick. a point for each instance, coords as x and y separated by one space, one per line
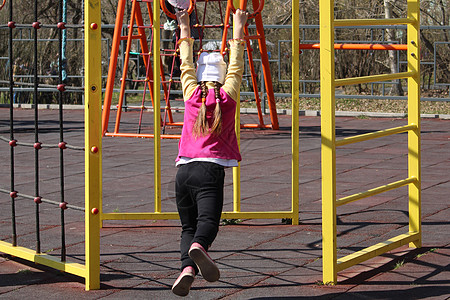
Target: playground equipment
167 77
331 264
91 269
237 213
93 146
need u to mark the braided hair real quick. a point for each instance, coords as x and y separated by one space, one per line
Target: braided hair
201 126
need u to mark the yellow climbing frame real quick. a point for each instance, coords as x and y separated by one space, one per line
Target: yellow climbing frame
331 264
93 176
237 213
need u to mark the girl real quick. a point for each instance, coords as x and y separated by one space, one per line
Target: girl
208 144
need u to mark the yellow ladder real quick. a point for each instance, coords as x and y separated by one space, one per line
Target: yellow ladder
331 264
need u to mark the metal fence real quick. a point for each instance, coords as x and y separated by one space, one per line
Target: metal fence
280 60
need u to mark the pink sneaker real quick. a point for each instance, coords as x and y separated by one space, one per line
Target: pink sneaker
206 265
183 283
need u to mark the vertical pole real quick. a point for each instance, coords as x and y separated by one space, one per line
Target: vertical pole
295 108
61 77
327 90
226 24
11 125
156 105
93 134
414 118
266 68
36 127
63 58
254 79
237 170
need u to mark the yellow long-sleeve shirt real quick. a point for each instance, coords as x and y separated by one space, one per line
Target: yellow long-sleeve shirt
233 78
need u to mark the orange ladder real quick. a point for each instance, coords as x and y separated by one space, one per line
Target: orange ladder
136 17
136 22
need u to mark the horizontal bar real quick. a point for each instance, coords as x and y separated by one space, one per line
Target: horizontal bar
366 22
147 108
258 215
253 37
143 135
376 250
359 46
133 37
256 126
375 191
374 135
43 259
140 216
43 200
174 215
180 124
373 78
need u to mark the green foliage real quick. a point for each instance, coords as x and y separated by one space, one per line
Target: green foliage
399 264
24 272
348 63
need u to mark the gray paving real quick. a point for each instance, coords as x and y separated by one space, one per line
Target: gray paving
259 259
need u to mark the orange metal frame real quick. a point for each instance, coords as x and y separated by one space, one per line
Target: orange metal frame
136 21
264 60
136 16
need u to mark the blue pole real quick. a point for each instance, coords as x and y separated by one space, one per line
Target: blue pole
64 42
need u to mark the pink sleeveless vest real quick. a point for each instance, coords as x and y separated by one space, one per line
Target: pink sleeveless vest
223 146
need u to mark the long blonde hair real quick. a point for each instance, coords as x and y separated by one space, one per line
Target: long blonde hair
201 126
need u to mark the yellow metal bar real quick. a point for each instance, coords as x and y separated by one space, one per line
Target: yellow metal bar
237 170
365 22
174 215
43 259
373 78
156 105
93 145
414 117
374 135
376 250
141 216
327 104
258 215
295 135
375 191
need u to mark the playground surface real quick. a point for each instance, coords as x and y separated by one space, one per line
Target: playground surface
258 259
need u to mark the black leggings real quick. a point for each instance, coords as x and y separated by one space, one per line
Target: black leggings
199 194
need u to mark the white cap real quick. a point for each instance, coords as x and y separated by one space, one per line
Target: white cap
211 67
181 4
